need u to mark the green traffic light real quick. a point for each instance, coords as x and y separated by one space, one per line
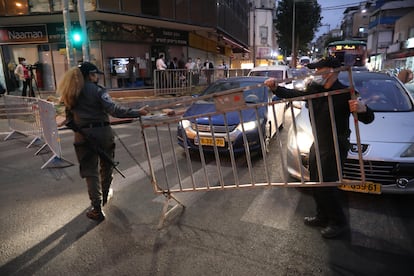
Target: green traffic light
77 37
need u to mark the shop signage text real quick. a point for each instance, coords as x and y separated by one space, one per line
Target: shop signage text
23 34
171 37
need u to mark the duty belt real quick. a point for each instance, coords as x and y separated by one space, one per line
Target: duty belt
95 124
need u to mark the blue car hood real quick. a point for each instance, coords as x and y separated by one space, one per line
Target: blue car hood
218 119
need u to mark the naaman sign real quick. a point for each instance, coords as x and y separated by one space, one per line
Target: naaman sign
23 34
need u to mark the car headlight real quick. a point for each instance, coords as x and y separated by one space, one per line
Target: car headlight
247 126
299 85
186 125
304 140
409 152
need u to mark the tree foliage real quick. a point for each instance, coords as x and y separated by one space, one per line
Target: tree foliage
307 21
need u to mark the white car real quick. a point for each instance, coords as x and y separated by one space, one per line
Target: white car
279 72
387 142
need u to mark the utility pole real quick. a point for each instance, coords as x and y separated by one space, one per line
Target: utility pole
254 36
67 26
293 61
85 39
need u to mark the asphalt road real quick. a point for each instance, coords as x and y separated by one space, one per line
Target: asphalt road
44 230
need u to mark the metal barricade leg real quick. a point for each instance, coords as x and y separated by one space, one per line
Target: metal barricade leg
165 211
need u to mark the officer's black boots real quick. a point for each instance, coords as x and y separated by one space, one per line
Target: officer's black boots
96 214
107 195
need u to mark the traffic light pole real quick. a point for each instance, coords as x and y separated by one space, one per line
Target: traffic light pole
82 21
67 25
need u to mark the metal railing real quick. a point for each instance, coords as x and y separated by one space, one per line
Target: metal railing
23 117
36 118
184 82
207 143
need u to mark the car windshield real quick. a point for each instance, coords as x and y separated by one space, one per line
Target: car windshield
304 61
260 91
383 95
410 87
300 72
278 74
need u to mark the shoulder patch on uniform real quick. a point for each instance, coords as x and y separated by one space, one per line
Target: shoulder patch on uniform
105 96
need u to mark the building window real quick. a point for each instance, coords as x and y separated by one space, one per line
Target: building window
10 8
263 34
150 7
411 33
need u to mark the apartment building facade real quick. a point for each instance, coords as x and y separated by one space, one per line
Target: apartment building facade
388 28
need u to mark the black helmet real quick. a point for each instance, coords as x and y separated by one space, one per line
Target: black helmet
330 61
87 67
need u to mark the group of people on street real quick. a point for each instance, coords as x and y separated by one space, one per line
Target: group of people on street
88 106
181 72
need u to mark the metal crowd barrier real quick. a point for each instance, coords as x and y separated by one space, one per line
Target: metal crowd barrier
23 117
50 135
35 117
182 81
216 171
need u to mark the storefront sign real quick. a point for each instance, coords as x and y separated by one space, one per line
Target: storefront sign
23 34
56 32
171 37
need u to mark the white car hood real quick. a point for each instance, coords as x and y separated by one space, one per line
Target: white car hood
395 127
387 127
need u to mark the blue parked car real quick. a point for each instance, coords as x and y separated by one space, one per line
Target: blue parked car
210 130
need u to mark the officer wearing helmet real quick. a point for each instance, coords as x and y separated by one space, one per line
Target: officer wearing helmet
88 106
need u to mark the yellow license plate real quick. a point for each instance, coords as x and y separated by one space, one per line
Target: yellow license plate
207 141
368 187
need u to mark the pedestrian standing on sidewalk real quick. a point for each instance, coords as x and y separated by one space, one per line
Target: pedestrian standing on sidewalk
23 75
329 214
88 106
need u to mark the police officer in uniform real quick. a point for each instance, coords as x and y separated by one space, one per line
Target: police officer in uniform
329 213
88 106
